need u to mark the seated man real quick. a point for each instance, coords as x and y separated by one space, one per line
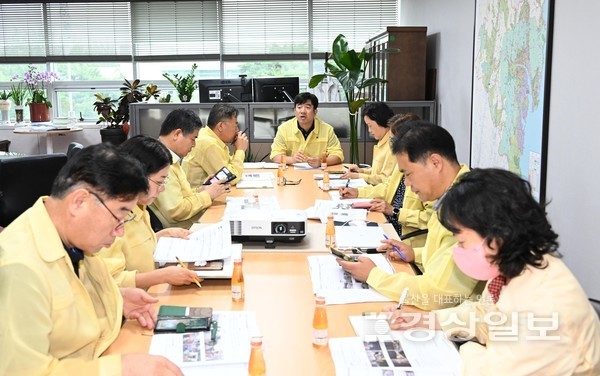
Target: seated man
61 309
211 152
180 205
426 156
305 137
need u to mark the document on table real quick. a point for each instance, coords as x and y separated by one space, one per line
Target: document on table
341 212
339 183
256 180
265 165
331 176
227 271
195 352
337 286
359 236
209 243
235 204
422 352
305 166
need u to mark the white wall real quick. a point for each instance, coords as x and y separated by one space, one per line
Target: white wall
573 180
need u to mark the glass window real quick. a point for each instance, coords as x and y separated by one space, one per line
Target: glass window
81 102
153 71
93 71
256 69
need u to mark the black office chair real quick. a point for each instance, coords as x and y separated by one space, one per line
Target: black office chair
414 266
23 180
155 223
74 148
596 304
4 145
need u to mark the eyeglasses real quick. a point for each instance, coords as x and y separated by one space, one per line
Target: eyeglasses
121 222
291 182
160 185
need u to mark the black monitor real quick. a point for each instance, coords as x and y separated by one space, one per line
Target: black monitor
276 89
225 90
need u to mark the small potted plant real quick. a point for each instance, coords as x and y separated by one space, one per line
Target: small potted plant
4 107
18 93
39 104
185 85
115 112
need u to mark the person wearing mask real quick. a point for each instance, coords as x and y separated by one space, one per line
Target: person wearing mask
533 317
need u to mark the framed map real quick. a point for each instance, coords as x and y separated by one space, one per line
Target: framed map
511 84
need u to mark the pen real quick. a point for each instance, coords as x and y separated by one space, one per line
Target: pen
402 298
347 183
183 266
402 256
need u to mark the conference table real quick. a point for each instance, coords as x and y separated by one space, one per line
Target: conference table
277 287
49 132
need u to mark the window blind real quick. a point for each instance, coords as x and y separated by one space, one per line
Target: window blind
357 20
265 27
170 28
22 31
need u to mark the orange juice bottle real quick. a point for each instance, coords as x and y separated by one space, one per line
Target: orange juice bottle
320 332
280 179
330 232
256 364
326 180
323 160
237 282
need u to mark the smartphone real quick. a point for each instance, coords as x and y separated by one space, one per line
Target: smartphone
223 175
344 256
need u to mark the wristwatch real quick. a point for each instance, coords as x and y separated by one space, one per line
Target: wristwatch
395 211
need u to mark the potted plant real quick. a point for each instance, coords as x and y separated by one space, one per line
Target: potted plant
18 93
115 112
4 107
348 68
185 85
39 105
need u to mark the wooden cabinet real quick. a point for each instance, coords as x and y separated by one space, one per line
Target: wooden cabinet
405 70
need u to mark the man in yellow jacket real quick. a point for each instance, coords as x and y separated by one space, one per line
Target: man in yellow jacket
61 308
426 156
180 204
305 137
211 152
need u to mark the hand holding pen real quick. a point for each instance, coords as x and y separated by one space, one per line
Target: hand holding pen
398 248
196 280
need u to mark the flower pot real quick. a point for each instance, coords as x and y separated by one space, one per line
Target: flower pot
114 136
19 114
4 108
39 112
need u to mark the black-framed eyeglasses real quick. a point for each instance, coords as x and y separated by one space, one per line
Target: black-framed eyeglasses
160 185
291 182
121 222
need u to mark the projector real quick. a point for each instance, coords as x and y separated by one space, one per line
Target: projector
283 225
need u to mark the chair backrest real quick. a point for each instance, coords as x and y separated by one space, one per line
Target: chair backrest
74 148
4 145
23 180
596 304
155 223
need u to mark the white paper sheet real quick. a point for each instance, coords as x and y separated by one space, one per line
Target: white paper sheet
340 212
339 183
337 286
212 242
235 204
256 180
227 272
360 236
305 166
331 176
265 165
195 353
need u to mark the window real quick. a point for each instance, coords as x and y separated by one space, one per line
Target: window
22 33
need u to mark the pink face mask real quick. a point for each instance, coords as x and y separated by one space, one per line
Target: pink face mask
474 263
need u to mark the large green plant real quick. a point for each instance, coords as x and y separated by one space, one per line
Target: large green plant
348 67
185 85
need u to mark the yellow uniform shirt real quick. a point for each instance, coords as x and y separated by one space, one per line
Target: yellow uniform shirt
289 140
414 214
51 321
208 156
179 205
132 253
442 283
525 309
384 162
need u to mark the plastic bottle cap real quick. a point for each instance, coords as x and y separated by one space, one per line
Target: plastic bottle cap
320 300
257 340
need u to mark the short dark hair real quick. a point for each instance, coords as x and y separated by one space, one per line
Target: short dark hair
180 118
221 112
152 154
305 97
498 205
419 139
379 112
103 168
396 121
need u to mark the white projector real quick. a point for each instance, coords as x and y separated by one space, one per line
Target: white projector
283 225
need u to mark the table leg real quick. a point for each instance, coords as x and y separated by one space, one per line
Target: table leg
49 146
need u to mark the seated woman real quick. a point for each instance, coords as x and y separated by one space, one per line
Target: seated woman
376 115
533 317
130 259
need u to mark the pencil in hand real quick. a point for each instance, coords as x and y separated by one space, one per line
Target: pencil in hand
196 280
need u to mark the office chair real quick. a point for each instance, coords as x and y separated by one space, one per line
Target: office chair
23 180
74 148
413 266
4 145
155 223
596 304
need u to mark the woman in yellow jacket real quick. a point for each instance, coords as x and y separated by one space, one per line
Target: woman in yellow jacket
130 259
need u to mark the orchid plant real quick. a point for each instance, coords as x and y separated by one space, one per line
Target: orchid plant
36 83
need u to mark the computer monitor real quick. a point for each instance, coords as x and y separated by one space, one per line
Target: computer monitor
276 89
225 90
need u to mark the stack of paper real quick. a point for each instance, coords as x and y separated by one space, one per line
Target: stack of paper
305 166
265 165
209 243
235 204
341 183
341 211
359 236
256 180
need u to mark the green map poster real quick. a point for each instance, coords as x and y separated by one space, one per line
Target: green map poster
510 68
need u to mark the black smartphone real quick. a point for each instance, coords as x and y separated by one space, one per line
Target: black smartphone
223 175
344 256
